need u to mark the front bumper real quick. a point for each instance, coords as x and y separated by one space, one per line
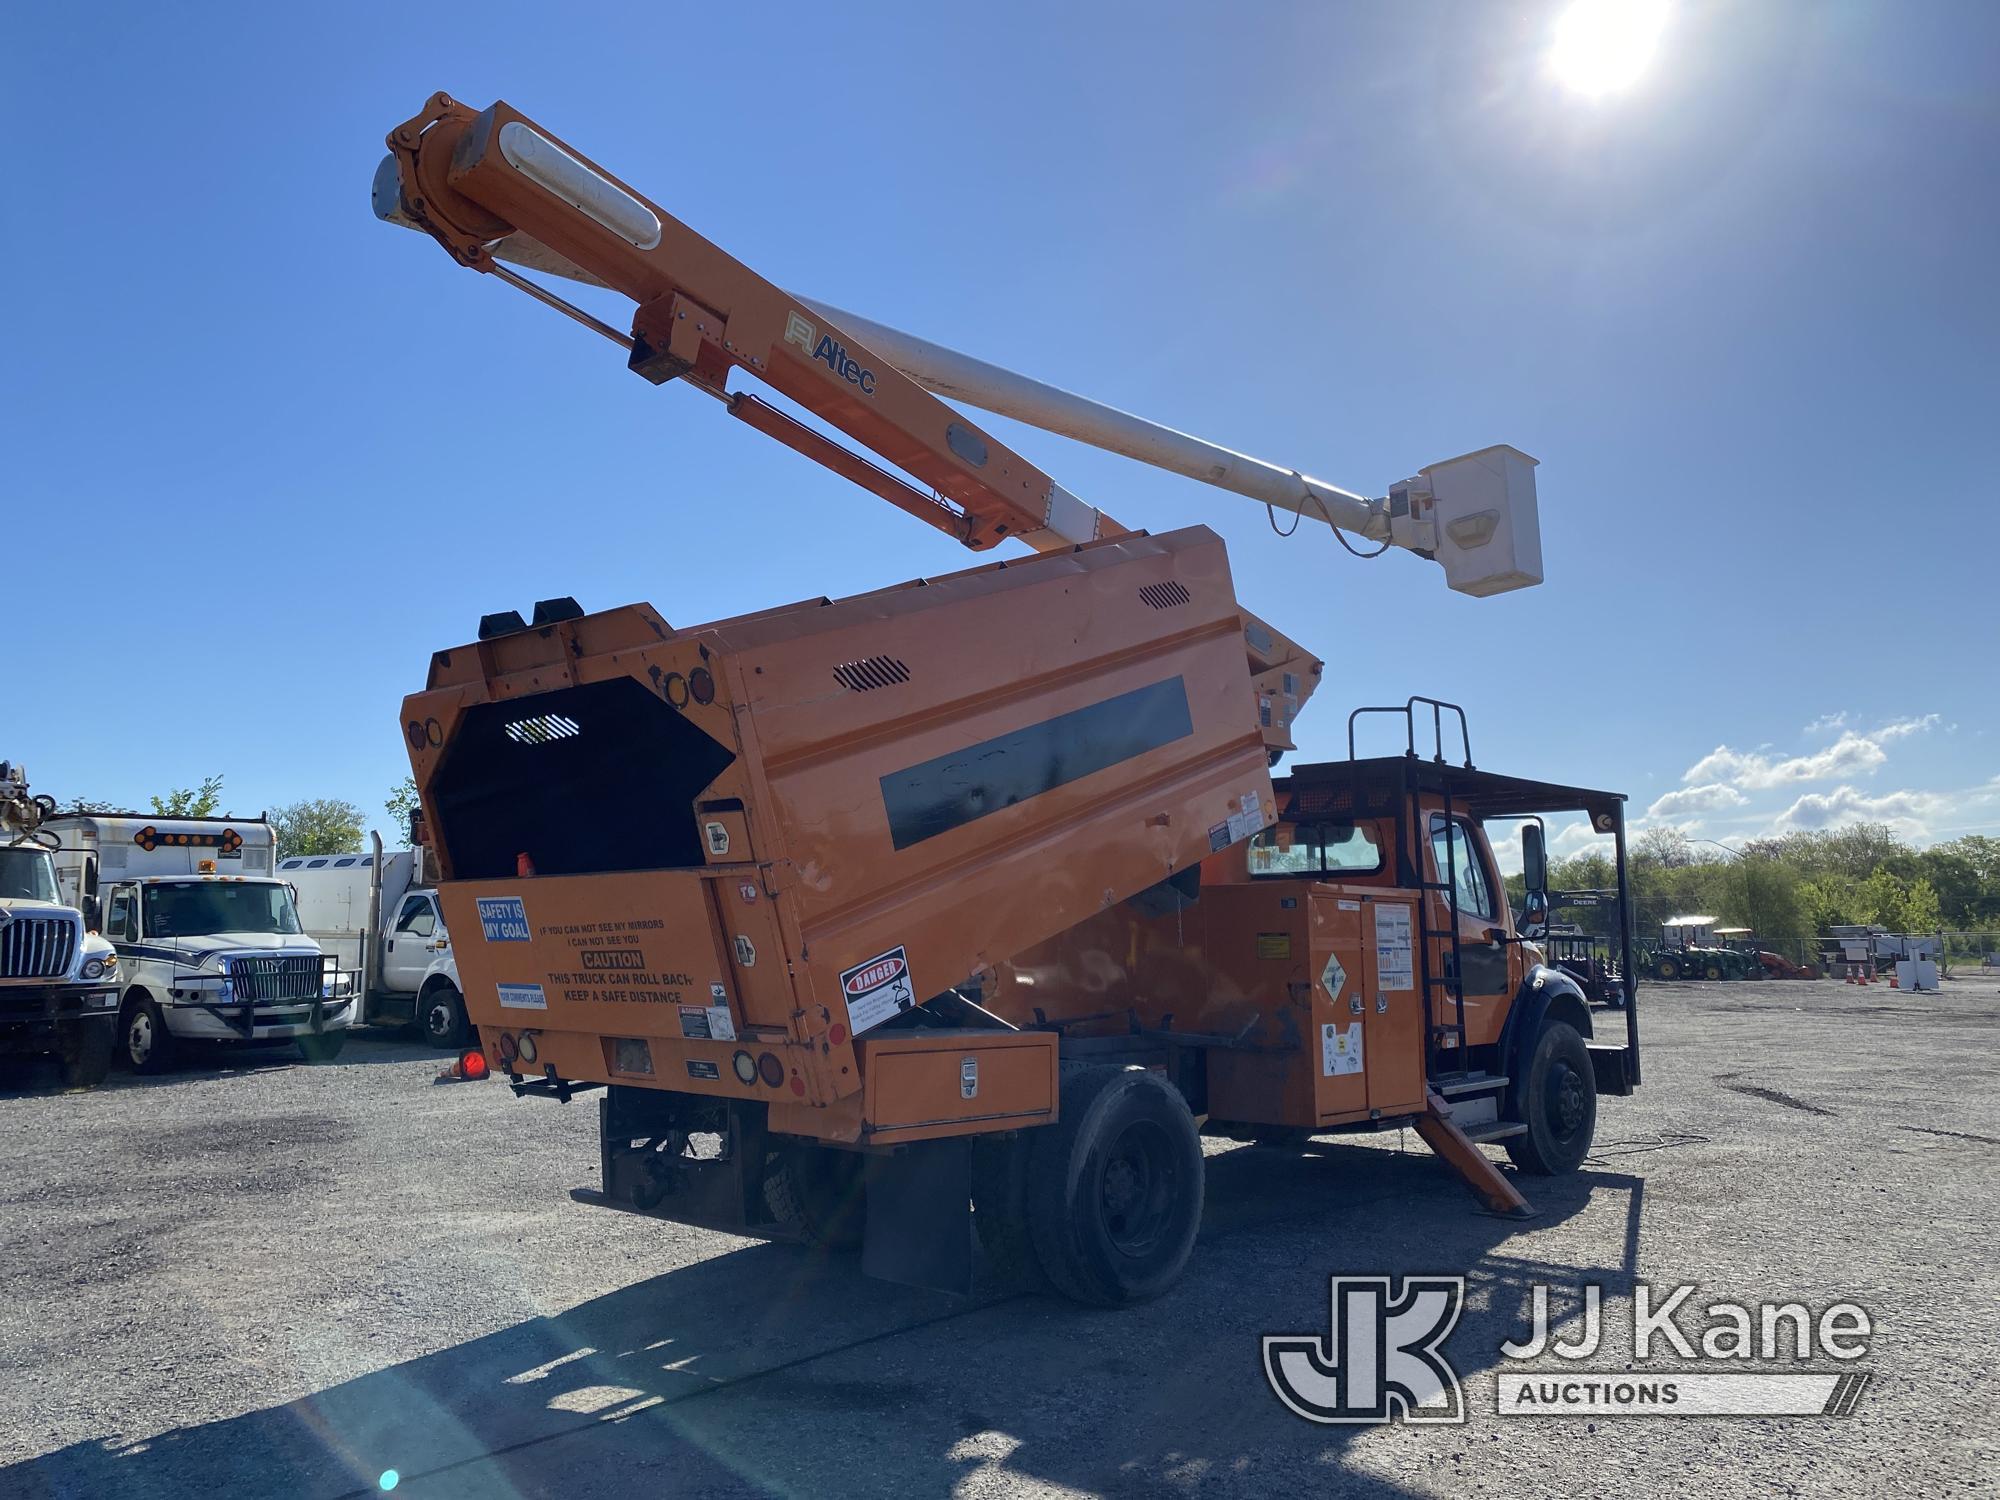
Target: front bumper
31 1014
249 1022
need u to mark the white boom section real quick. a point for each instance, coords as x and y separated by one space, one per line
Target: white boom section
960 377
1475 515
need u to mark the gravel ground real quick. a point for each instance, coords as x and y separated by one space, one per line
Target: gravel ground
253 1277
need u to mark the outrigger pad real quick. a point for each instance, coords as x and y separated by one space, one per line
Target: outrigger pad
920 1216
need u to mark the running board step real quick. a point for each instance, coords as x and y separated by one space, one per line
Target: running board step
1499 1130
1455 1086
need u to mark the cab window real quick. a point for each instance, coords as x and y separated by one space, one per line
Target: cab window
1451 845
417 918
1318 849
119 923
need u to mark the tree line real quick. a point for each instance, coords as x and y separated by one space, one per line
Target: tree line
312 825
1794 888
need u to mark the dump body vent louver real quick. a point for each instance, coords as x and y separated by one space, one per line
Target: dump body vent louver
543 728
1164 595
875 672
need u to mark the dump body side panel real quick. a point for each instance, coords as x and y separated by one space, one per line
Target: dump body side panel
816 818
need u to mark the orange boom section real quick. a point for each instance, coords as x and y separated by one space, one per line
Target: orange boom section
714 859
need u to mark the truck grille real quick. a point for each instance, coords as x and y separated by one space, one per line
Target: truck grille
38 947
268 980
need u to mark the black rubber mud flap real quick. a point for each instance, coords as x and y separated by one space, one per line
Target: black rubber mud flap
920 1217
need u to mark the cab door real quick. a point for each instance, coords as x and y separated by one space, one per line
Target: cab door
1459 854
411 943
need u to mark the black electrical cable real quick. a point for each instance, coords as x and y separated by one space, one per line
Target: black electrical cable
1271 514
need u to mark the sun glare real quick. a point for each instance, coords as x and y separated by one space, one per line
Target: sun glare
1602 46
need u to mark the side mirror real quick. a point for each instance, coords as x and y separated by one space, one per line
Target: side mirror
1535 915
93 918
1534 860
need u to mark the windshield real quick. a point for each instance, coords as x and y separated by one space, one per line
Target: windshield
27 875
196 908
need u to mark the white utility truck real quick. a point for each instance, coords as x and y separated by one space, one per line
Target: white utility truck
58 983
209 943
377 914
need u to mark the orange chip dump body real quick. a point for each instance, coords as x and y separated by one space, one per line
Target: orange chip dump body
775 833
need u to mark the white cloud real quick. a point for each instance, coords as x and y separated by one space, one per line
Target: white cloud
1909 812
1713 797
1828 721
1897 728
1852 754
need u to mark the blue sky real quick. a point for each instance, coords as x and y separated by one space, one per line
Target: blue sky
268 454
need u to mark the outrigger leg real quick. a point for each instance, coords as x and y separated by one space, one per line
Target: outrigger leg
1442 1134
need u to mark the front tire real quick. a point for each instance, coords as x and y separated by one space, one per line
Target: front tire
1558 1104
143 1037
1667 968
441 1014
86 1051
1115 1187
1713 971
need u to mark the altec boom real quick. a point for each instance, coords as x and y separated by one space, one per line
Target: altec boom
980 887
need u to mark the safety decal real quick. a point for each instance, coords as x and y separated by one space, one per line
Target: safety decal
877 990
1395 963
503 919
707 1023
1332 977
1340 1050
522 997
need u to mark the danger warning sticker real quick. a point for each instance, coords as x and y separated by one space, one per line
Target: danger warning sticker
877 990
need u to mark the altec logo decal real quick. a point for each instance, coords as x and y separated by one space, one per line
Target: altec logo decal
829 352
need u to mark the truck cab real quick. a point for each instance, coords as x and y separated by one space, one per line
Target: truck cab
58 982
1351 961
378 912
209 941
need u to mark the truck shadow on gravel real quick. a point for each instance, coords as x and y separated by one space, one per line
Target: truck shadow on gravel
774 1371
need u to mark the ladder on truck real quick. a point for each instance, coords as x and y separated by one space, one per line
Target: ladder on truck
1447 1072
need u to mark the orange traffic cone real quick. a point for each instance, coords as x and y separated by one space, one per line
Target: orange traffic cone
1895 982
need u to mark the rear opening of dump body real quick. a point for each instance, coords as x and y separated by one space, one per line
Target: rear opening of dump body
582 780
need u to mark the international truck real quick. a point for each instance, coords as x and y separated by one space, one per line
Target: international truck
970 901
376 913
210 949
58 981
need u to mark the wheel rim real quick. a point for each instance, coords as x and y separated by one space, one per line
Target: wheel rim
1566 1100
139 1038
1137 1192
438 1020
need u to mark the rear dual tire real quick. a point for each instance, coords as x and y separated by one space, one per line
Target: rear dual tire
1113 1191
